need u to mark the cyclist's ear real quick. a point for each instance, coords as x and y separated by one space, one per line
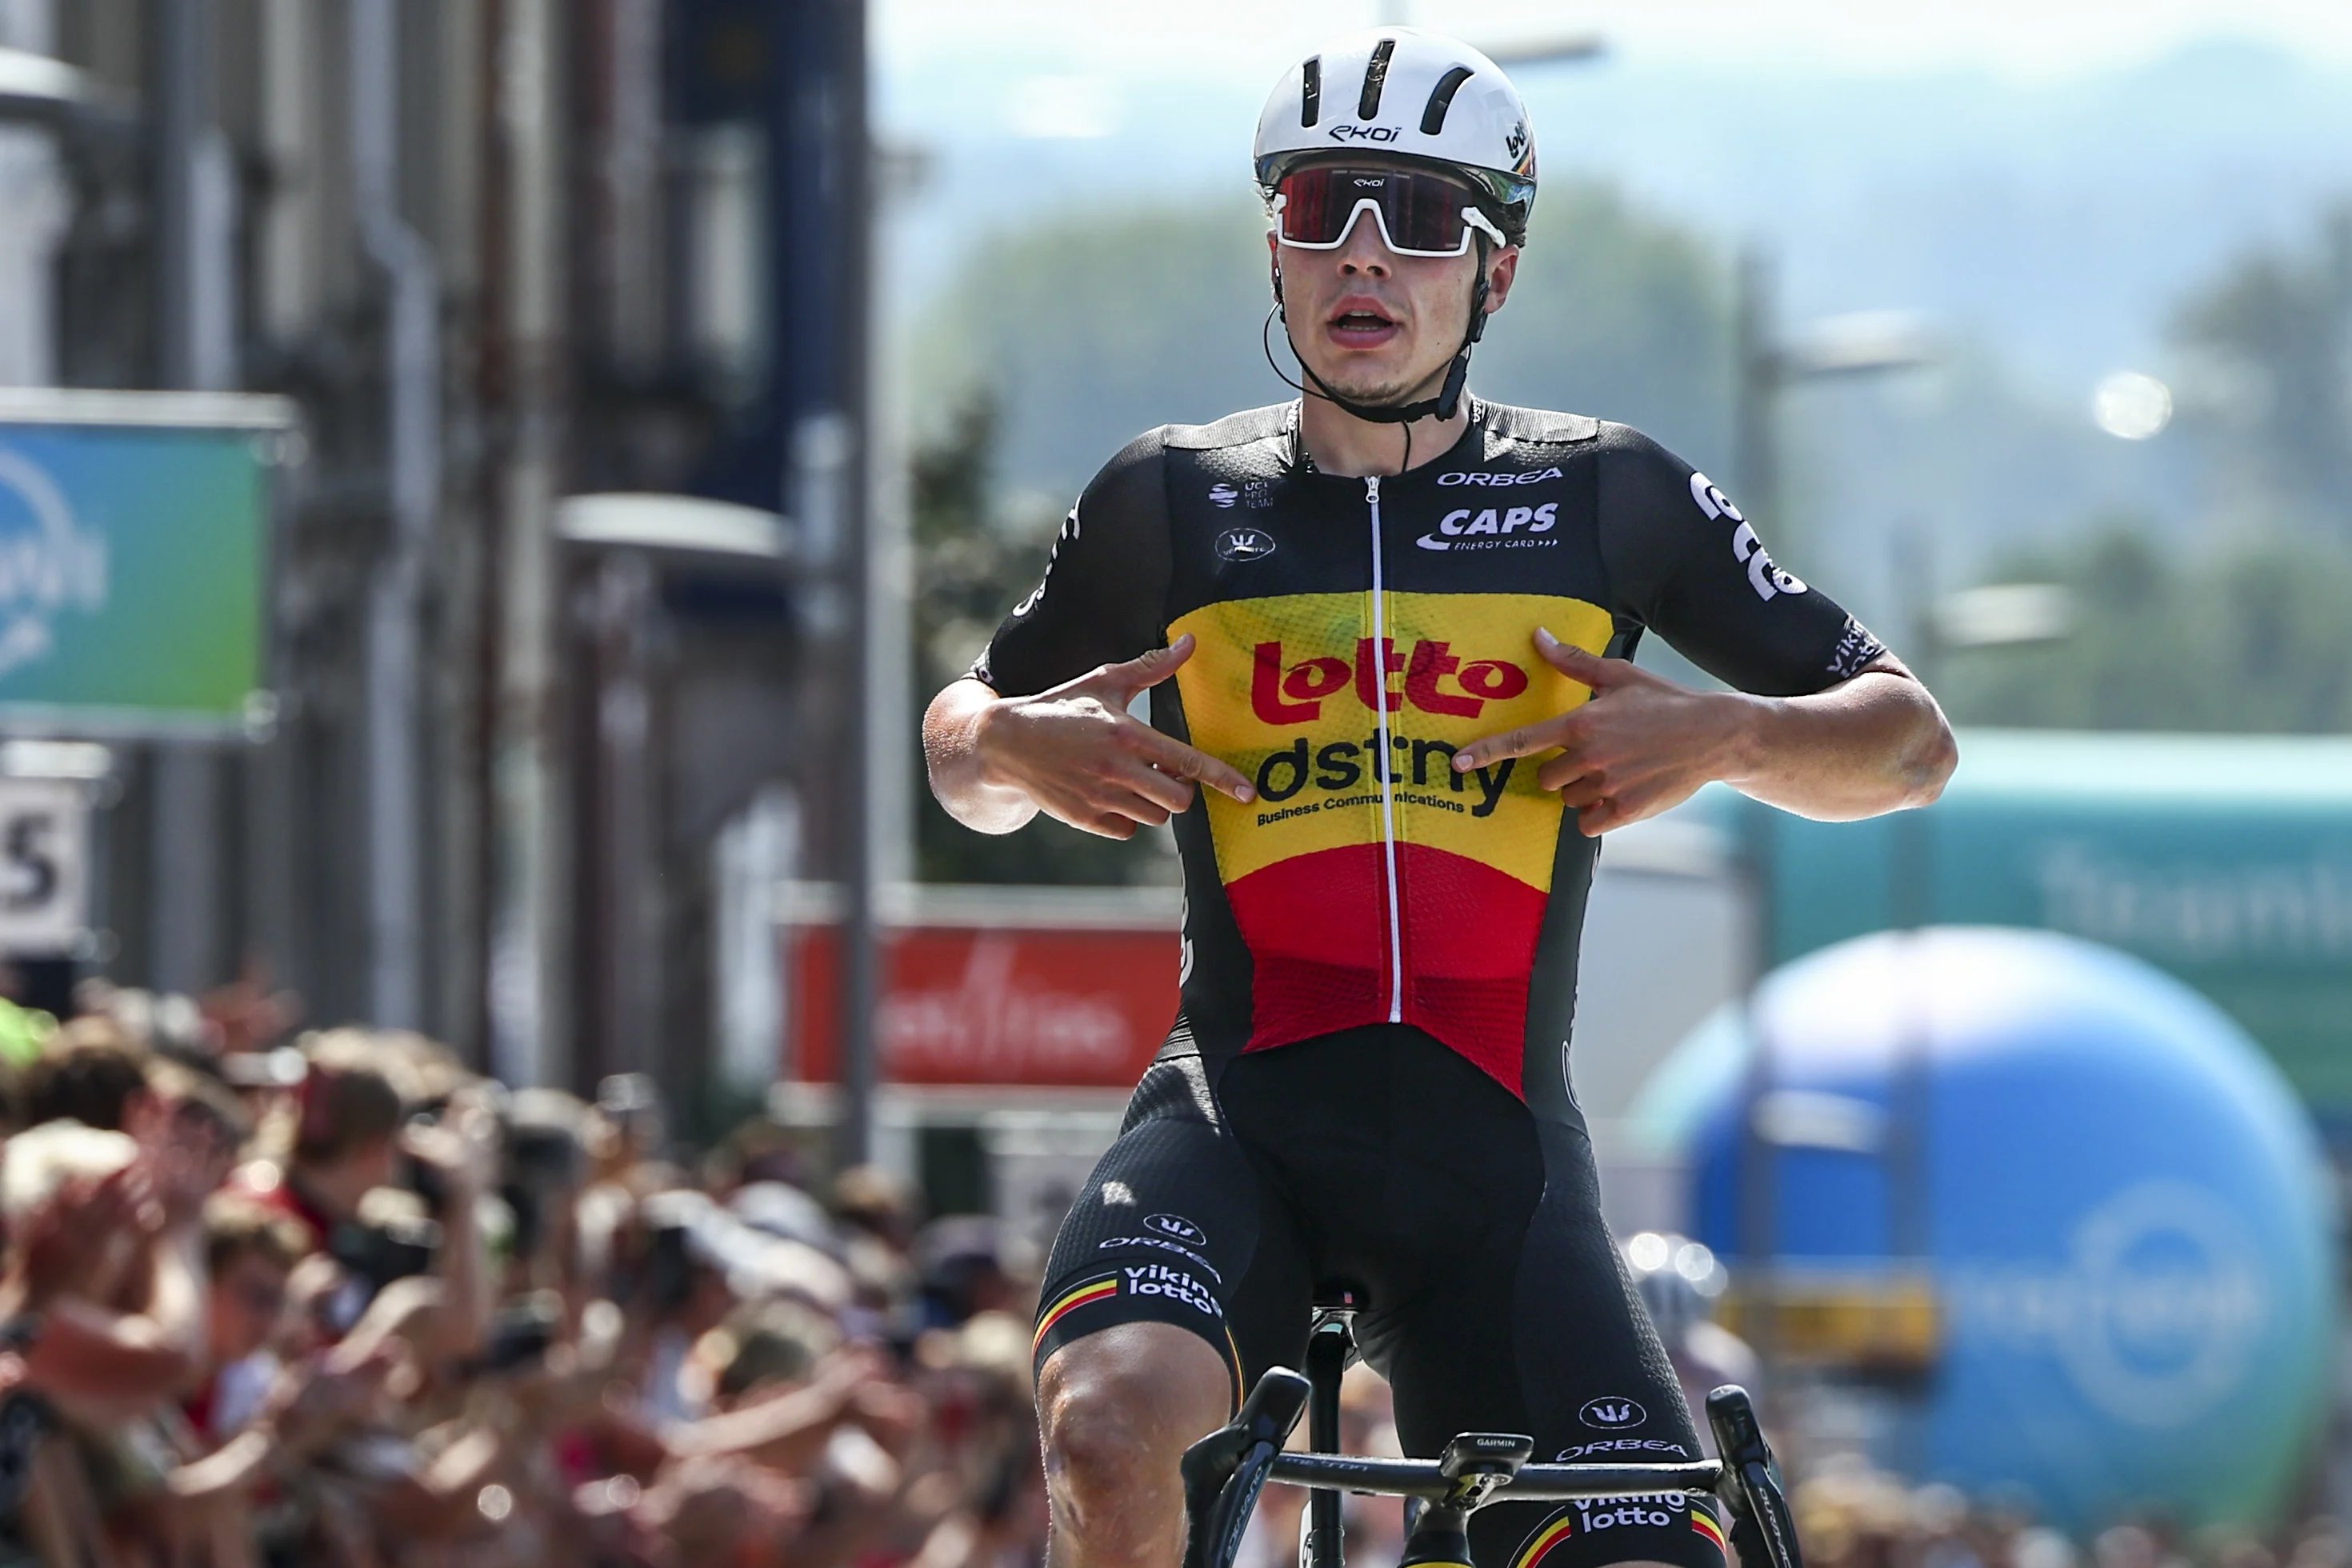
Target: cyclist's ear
1500 272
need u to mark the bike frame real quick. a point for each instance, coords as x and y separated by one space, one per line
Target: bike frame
1225 1471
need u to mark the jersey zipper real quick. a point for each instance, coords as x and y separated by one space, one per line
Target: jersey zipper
1384 765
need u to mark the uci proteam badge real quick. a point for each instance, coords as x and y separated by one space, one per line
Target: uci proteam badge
1245 545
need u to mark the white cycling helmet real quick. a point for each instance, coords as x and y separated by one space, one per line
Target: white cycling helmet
1404 92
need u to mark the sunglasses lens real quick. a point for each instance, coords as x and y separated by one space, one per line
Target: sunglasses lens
1421 213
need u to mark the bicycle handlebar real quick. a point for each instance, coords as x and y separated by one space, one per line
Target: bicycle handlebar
1532 1483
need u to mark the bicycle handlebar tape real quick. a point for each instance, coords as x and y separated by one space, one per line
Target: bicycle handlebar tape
1225 1471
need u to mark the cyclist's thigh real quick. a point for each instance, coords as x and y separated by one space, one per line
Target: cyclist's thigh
1548 1337
1175 1227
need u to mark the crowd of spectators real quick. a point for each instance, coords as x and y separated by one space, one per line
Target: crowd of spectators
340 1301
1850 1515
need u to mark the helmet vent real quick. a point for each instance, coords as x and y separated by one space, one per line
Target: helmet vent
1376 76
1440 99
1310 91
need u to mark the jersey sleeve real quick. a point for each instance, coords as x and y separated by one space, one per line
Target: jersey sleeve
1686 563
1106 584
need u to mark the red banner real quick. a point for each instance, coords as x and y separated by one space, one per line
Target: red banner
1044 1008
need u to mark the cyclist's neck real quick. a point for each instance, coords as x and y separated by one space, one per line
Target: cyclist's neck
1337 442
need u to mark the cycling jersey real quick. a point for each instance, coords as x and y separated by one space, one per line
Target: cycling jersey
1353 634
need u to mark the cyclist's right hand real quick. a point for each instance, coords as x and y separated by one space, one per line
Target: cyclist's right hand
1078 754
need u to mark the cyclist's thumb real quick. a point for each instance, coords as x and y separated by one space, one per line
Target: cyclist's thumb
1150 668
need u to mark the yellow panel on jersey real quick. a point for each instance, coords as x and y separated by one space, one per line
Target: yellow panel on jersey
1284 688
1423 908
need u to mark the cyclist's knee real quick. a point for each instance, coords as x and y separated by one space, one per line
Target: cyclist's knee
1116 1410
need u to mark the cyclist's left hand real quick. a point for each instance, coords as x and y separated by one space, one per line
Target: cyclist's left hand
1641 745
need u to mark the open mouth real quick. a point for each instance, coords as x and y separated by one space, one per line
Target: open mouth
1362 326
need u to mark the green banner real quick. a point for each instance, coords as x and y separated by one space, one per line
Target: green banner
2225 859
133 533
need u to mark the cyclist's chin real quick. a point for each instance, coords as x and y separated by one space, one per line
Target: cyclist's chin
1375 385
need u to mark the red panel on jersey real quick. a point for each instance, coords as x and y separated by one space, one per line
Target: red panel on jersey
1317 925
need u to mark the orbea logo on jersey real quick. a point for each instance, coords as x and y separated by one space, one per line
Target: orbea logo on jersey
1474 477
1436 681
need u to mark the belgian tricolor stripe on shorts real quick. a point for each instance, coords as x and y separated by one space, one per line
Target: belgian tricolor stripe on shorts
1704 1523
1092 1290
1543 1541
1106 1287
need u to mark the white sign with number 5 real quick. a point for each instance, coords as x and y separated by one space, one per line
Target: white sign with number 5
44 865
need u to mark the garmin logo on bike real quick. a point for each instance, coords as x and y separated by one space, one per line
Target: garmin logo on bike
1176 1227
1610 1412
1461 528
1244 543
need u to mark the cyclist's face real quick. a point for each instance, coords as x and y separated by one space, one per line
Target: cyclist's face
1378 327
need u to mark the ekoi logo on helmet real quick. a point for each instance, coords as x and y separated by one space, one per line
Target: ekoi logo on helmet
1287 693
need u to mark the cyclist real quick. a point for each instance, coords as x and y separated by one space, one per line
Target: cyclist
1390 628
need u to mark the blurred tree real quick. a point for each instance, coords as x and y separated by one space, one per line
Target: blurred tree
1089 330
2277 329
971 567
2252 638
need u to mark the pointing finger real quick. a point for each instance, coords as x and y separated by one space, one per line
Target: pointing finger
1173 756
1585 669
1152 666
1524 741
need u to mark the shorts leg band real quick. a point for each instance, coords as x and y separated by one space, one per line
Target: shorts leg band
1686 1528
1148 1292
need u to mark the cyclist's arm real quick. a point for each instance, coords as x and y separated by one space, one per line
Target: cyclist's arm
1042 723
1826 721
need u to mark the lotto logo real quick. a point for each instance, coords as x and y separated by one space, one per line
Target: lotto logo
1284 693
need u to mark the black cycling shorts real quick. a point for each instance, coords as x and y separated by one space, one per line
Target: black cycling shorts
1492 1296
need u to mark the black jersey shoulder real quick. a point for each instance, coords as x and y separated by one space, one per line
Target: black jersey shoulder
1250 427
1503 428
1104 594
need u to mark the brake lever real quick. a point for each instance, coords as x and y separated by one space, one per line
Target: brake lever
1241 1450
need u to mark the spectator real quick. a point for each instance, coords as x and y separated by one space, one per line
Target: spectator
88 1072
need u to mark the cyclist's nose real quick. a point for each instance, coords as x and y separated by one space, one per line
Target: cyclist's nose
1363 253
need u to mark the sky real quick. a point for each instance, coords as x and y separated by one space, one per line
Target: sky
1249 41
2043 183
